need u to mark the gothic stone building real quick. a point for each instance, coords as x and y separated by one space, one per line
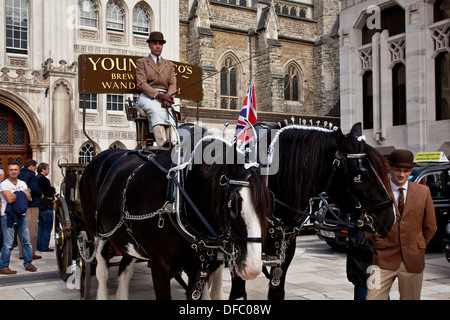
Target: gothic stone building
289 48
294 60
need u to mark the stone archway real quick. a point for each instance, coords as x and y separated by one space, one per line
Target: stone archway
14 138
20 133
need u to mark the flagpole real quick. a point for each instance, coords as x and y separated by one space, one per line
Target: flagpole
250 33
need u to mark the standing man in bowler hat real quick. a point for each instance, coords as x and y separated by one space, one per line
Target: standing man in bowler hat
156 79
401 254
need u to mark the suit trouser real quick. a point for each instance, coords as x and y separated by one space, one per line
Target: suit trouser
33 222
163 134
409 284
159 119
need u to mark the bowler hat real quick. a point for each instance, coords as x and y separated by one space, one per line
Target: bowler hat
402 158
156 36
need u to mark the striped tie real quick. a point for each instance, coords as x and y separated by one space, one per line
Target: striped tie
401 200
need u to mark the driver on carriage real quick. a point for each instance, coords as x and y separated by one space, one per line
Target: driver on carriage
156 79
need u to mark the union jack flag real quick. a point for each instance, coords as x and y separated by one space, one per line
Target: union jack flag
243 134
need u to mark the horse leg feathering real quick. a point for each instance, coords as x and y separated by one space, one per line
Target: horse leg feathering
102 270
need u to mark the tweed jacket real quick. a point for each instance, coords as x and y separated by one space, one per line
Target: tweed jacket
408 238
149 78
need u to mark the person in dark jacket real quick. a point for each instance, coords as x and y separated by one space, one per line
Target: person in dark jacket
28 175
45 208
359 258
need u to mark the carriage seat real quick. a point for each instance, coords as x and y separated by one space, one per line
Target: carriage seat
144 138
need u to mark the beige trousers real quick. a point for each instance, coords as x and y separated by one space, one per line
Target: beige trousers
32 219
163 134
409 284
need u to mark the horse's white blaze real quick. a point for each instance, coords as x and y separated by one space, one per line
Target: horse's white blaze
101 273
252 265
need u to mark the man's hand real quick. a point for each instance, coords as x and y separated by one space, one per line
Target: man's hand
165 97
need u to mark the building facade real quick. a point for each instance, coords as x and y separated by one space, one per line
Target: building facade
395 76
40 106
289 48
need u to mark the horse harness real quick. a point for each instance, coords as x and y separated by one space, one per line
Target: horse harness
287 233
222 246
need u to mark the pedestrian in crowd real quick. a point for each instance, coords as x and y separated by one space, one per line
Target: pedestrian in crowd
2 177
156 79
28 175
45 208
10 193
401 254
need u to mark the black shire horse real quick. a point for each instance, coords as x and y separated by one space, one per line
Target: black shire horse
311 161
226 209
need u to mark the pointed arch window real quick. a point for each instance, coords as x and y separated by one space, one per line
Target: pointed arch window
115 18
228 85
88 14
17 26
141 21
86 153
292 84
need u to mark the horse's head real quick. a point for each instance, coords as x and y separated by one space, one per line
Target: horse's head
363 184
236 201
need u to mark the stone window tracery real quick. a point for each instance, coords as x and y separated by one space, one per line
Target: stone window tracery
115 17
229 84
88 14
141 21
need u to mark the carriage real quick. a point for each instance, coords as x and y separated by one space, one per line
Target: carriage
345 162
68 212
68 226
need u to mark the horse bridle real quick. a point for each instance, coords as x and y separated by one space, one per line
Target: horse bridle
358 178
230 194
366 217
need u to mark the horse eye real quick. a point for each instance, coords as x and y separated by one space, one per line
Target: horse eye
235 204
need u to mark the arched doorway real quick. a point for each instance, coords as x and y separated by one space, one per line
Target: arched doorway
14 138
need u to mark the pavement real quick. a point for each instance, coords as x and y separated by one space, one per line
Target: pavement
316 273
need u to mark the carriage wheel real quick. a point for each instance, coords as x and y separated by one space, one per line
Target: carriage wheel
85 270
63 239
85 279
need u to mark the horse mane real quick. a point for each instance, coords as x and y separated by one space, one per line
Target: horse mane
304 155
379 165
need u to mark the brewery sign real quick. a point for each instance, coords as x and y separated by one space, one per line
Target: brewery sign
117 74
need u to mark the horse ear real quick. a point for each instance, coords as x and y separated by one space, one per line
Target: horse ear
356 129
338 137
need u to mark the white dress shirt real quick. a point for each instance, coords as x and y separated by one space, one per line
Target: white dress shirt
395 189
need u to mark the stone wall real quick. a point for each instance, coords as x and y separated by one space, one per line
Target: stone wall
209 30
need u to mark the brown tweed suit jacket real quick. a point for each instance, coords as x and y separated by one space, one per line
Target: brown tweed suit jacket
149 78
412 231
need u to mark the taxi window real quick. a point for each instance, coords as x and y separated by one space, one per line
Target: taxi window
434 181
